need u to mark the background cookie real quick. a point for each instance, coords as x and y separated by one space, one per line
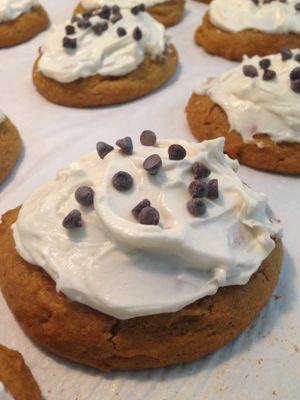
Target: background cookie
10 147
82 334
207 120
23 28
16 376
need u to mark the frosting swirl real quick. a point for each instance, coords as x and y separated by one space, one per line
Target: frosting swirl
124 4
125 269
117 51
4 395
270 17
256 105
12 9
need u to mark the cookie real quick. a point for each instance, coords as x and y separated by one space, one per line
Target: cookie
24 27
234 45
168 13
67 77
16 376
10 147
254 107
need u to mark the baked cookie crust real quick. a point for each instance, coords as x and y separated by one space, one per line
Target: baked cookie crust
98 90
208 120
234 46
84 335
25 27
16 376
10 147
168 13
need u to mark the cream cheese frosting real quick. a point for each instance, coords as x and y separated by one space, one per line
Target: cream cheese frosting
12 9
124 4
2 116
4 395
254 105
275 17
125 269
107 54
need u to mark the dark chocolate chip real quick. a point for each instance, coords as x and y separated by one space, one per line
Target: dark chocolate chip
286 54
297 6
268 75
213 189
149 216
153 164
125 145
115 18
137 33
83 24
297 58
198 188
70 29
200 171
69 43
265 63
138 208
122 181
87 14
250 71
121 31
196 207
176 152
115 9
136 9
256 2
85 195
295 85
295 74
103 149
100 27
148 138
73 220
105 12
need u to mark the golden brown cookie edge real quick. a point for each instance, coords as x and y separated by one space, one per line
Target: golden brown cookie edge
10 148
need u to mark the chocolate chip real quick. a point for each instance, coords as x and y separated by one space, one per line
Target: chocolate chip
85 195
121 31
83 24
115 18
137 209
200 170
122 181
70 29
295 74
213 189
136 9
295 85
297 6
250 71
73 220
105 12
87 14
198 188
176 152
148 138
115 9
125 145
152 164
103 149
196 207
286 54
268 75
69 43
297 58
256 2
149 216
265 63
100 27
137 34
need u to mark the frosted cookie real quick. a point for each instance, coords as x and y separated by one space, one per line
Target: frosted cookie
234 28
21 20
104 57
110 255
10 146
16 380
168 13
255 107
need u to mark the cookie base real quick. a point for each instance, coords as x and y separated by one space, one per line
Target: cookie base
98 90
234 46
16 376
10 147
24 28
89 337
208 120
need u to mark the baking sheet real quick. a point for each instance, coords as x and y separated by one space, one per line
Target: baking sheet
264 363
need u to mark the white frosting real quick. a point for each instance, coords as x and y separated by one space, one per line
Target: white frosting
238 15
4 395
2 116
12 9
107 54
125 269
124 4
254 105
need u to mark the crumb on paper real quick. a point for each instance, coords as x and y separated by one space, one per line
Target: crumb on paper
274 393
260 360
296 348
277 297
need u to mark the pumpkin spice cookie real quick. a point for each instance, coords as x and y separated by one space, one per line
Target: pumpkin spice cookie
16 380
21 20
168 12
232 29
255 107
109 254
10 146
104 57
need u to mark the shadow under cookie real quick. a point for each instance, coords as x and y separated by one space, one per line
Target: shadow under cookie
89 337
24 28
10 147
